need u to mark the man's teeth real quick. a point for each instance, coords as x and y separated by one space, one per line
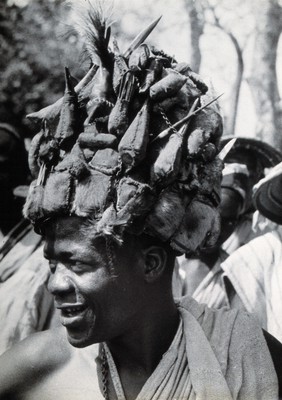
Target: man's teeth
72 311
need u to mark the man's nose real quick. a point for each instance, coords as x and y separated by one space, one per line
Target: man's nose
59 282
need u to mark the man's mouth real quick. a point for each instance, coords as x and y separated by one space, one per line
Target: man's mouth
71 310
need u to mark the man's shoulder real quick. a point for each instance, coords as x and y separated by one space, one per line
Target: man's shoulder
47 347
234 335
201 310
32 359
223 325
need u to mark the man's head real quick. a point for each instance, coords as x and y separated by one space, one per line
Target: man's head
267 195
104 290
244 166
252 156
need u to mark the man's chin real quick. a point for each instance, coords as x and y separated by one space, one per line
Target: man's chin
79 339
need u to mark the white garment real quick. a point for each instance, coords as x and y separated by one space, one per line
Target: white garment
255 271
206 285
25 303
191 274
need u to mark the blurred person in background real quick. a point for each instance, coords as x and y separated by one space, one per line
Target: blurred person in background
253 273
14 171
25 304
201 277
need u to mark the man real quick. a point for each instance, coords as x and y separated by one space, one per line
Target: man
244 167
123 184
256 156
13 172
131 309
25 302
257 282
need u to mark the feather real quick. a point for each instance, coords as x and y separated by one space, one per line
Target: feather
92 22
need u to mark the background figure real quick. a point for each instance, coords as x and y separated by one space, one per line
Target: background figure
13 172
256 156
201 277
253 274
25 303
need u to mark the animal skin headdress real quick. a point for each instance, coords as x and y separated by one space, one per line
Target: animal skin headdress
134 146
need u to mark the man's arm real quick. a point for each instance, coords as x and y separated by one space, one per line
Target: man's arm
28 363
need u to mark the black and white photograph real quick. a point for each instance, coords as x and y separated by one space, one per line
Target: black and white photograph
141 200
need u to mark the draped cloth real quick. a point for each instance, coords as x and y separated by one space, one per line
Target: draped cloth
211 290
25 303
18 246
170 380
26 306
255 271
215 355
209 286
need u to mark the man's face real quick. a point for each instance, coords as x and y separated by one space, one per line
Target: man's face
230 208
96 304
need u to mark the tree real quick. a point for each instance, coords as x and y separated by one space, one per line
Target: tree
195 12
263 76
235 85
34 54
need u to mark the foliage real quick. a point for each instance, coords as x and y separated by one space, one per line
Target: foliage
34 53
220 36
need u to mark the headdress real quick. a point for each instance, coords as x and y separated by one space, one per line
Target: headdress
245 165
267 195
235 178
133 146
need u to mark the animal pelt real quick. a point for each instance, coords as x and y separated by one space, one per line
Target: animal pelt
74 163
200 227
210 122
99 141
33 205
50 199
51 113
57 193
92 19
92 195
167 214
105 225
136 201
105 160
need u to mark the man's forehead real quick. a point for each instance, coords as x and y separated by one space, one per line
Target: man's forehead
66 226
71 235
72 231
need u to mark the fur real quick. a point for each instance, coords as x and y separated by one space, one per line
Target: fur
92 21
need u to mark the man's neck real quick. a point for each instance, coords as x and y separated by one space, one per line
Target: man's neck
143 346
138 352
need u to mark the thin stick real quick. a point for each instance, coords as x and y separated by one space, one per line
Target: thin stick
141 37
223 153
172 127
41 175
190 114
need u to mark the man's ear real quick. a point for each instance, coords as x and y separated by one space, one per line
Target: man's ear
155 258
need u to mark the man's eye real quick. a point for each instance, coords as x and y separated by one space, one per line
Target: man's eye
79 267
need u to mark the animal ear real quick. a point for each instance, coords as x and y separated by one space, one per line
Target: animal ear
155 258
